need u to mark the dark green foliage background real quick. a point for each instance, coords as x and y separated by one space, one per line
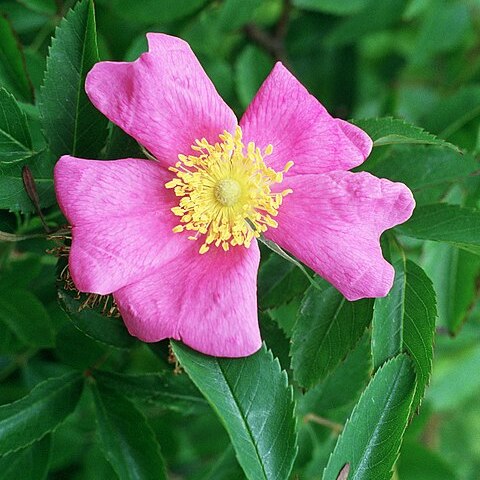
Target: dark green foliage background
337 383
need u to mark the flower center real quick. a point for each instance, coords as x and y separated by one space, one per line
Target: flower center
225 192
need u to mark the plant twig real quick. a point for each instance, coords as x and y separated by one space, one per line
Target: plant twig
273 44
334 426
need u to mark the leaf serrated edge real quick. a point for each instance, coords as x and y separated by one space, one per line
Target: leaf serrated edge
294 420
27 149
56 426
66 20
435 140
149 395
291 398
354 411
434 317
96 393
61 295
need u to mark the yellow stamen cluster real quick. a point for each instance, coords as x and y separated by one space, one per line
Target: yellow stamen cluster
226 192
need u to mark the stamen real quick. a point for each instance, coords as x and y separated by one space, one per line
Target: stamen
226 192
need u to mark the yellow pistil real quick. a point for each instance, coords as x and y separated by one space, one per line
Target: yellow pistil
226 192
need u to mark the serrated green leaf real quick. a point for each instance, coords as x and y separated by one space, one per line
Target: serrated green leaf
371 439
289 258
454 280
13 196
254 402
459 226
392 131
345 7
108 330
30 462
404 321
279 281
328 327
343 385
275 339
15 140
72 125
13 72
40 412
422 167
165 388
126 439
251 69
26 316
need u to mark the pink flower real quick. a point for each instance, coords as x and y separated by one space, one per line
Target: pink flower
174 240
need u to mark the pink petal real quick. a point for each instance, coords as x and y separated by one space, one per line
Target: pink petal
164 99
207 301
285 115
357 136
333 222
121 219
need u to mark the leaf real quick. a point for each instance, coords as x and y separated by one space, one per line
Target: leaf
417 462
15 140
443 28
127 441
13 72
371 439
422 167
279 281
392 131
234 14
26 316
121 145
40 412
174 392
459 226
343 385
30 462
454 280
70 122
286 256
376 16
252 398
328 327
456 380
225 468
452 112
47 7
345 7
148 11
404 321
12 191
251 69
86 353
107 330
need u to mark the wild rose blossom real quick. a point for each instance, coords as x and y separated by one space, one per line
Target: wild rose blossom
174 239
